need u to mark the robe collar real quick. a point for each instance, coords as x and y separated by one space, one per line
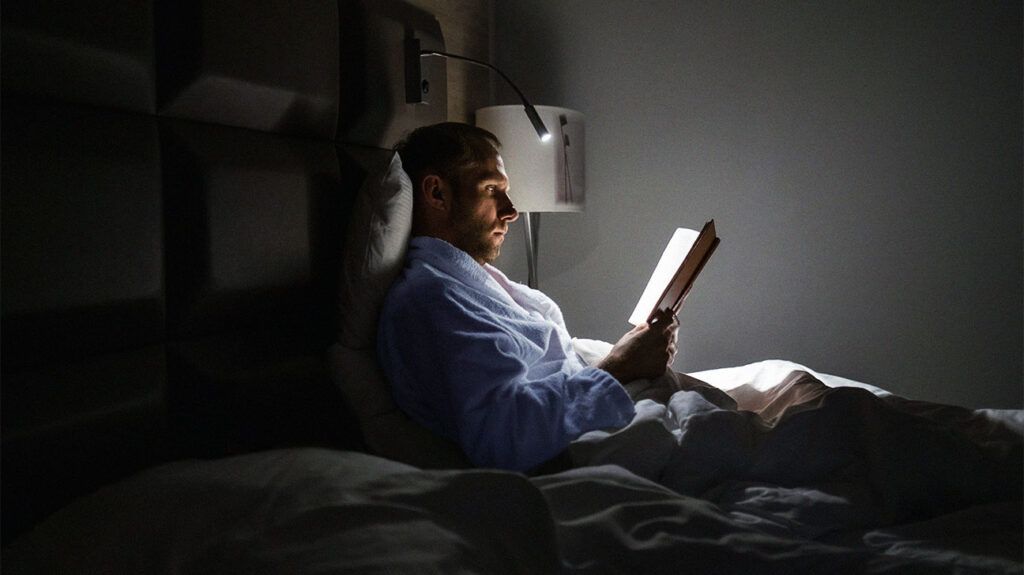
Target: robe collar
453 261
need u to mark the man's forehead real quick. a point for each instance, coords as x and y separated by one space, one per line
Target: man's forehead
491 169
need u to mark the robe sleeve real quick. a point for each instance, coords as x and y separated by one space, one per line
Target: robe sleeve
476 374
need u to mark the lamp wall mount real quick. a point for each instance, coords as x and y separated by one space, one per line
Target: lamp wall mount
417 89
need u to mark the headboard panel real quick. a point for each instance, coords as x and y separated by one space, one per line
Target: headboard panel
175 194
82 232
88 52
252 226
278 71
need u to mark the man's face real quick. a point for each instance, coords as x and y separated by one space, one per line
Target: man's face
482 211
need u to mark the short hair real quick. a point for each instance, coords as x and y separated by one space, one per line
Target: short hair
448 149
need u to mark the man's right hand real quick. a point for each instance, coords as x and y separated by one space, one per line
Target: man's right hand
644 352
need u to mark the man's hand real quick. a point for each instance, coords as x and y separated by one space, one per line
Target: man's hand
646 351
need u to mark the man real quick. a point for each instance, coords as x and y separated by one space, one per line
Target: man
475 357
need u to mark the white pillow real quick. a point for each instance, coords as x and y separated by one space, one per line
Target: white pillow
386 430
378 236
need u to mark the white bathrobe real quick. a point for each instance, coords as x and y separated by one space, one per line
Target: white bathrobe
488 362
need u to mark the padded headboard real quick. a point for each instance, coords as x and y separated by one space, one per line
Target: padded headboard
176 181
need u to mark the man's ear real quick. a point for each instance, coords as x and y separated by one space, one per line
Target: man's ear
435 192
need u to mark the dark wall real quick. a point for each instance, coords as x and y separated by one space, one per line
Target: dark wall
176 183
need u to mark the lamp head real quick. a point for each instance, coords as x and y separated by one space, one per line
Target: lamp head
538 124
547 175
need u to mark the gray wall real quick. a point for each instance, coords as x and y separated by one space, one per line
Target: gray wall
862 161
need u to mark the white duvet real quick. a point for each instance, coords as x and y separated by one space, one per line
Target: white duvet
850 481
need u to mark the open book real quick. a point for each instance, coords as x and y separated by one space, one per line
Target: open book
683 259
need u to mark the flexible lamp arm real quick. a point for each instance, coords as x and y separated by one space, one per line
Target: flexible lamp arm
531 112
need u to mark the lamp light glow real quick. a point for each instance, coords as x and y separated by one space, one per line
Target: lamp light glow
538 124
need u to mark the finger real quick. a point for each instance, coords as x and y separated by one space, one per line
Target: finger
662 317
668 315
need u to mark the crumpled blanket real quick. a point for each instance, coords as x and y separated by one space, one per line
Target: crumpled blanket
319 511
801 458
806 473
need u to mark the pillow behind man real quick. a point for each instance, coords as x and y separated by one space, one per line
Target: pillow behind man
375 247
377 239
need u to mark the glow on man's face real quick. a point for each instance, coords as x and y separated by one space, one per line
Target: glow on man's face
482 211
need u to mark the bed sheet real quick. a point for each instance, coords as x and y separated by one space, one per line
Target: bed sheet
861 505
802 455
319 511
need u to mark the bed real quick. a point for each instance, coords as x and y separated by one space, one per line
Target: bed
315 510
195 239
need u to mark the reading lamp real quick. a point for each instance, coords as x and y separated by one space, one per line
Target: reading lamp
416 87
546 177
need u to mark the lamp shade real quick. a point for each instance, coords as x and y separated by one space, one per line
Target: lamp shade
544 176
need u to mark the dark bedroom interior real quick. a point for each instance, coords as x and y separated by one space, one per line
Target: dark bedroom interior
181 183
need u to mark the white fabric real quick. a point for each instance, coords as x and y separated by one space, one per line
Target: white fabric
297 512
858 454
591 351
763 375
488 363
385 429
320 511
377 237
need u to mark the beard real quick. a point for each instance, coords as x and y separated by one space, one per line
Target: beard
473 236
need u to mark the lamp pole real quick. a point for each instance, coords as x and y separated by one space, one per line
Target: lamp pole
532 222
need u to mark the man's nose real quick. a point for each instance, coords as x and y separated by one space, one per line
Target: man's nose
508 211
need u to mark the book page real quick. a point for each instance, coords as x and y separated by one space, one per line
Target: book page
676 250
